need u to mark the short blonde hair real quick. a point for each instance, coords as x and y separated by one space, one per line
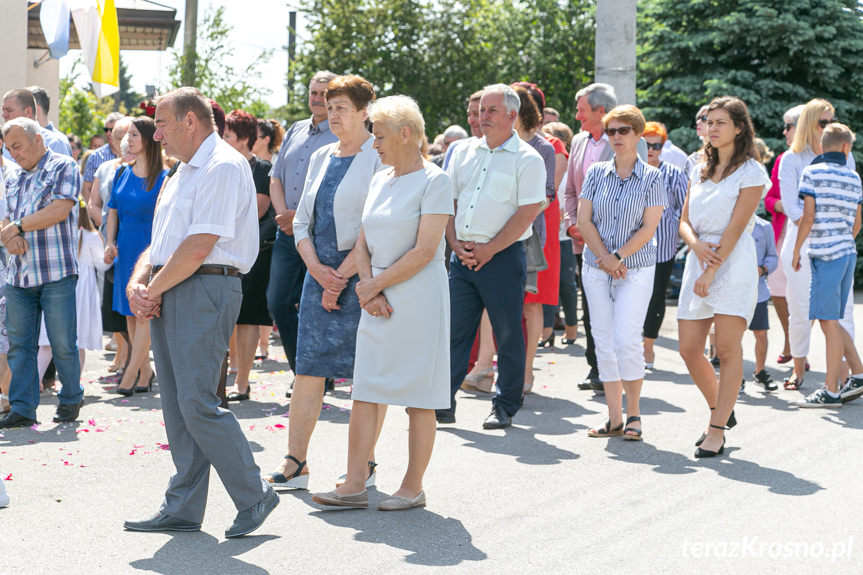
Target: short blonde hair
628 114
397 112
835 136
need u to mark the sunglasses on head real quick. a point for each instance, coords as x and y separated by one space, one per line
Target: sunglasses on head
655 146
623 131
824 123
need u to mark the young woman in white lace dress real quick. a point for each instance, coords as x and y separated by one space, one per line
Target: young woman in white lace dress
720 279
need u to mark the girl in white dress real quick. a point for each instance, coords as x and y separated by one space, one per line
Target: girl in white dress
88 307
720 279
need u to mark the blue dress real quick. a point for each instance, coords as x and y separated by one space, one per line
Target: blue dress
326 341
135 207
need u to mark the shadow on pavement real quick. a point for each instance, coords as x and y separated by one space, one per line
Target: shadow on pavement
430 538
202 553
777 480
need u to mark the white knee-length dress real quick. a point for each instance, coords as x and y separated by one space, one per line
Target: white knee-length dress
734 290
404 359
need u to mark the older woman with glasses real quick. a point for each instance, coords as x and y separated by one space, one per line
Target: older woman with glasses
667 235
403 285
805 146
620 207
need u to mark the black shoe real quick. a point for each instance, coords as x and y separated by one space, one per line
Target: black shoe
592 382
714 361
161 522
67 412
146 388
290 390
125 392
253 517
12 419
329 385
765 380
732 421
546 342
236 396
702 453
742 387
497 419
445 415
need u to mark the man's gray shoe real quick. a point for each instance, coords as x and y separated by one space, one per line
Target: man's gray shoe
162 522
253 517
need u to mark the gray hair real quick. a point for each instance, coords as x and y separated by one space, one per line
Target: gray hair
454 132
397 112
30 127
510 98
322 76
598 96
113 117
793 114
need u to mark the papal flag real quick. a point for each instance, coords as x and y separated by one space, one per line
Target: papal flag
98 32
54 18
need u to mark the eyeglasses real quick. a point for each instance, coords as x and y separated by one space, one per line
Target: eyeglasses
789 127
655 146
108 130
824 123
623 131
699 119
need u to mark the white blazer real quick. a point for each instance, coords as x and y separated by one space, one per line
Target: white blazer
350 195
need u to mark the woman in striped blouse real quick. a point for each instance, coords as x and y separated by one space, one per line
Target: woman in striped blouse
620 206
667 236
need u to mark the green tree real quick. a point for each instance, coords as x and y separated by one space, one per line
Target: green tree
81 112
215 76
439 52
773 54
126 100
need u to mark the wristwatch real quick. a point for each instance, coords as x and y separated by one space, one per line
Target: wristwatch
19 226
617 255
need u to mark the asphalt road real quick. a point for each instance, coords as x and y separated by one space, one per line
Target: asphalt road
540 497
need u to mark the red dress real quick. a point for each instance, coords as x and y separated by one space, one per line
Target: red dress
548 281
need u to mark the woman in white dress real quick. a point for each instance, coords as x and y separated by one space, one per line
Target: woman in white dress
402 353
720 279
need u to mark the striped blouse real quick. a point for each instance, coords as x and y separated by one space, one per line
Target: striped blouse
668 232
618 208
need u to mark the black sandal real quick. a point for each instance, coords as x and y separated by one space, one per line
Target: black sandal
295 481
605 430
630 433
702 453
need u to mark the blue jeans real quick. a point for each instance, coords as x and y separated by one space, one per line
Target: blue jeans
287 272
24 307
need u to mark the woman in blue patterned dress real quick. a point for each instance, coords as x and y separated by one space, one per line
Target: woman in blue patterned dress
326 228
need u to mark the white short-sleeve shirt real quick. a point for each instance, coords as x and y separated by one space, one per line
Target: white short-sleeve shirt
213 193
491 185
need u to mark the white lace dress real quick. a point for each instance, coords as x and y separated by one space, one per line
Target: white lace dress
734 290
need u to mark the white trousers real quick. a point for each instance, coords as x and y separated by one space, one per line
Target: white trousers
797 295
617 311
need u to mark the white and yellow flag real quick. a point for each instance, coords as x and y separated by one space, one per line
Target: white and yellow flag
98 32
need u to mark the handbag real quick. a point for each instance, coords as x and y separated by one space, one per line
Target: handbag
267 228
536 261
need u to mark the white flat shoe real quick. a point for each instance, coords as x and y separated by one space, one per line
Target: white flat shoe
396 503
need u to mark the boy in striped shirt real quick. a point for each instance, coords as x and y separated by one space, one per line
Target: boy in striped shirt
832 194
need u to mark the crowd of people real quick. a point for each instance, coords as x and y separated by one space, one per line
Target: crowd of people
350 229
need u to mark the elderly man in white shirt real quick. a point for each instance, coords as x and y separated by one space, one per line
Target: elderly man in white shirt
499 188
205 234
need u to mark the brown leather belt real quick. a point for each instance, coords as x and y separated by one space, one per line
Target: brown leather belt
208 270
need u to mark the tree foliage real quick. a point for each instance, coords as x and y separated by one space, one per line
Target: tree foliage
441 51
215 76
125 99
81 112
773 54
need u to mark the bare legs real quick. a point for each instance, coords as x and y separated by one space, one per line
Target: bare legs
485 356
264 340
139 369
722 395
760 349
247 342
614 391
533 321
306 402
780 304
839 343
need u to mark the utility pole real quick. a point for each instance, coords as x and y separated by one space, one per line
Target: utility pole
292 49
615 47
190 52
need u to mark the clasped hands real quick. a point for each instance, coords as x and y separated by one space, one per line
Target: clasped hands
333 283
143 304
372 300
111 252
710 261
612 266
473 255
13 241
